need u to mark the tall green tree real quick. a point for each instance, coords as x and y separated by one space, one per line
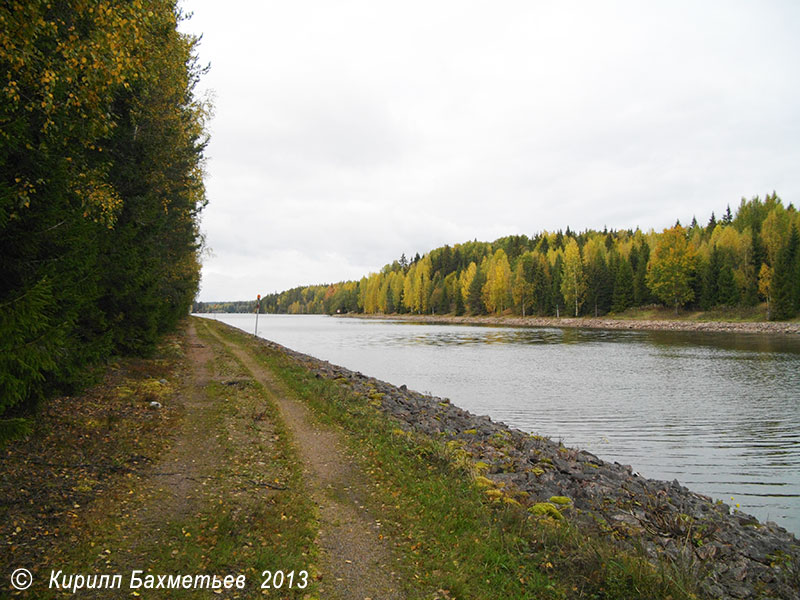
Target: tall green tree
727 291
475 303
623 297
542 285
558 304
599 282
709 288
784 279
641 292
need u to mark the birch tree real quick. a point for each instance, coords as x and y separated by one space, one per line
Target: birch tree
672 267
573 280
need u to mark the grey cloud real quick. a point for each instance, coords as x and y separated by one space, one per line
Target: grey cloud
360 130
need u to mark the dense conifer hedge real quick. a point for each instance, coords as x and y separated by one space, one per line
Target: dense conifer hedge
101 144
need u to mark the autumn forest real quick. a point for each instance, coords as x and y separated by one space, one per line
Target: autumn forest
744 258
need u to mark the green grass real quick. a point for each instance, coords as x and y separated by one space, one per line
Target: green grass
732 314
455 539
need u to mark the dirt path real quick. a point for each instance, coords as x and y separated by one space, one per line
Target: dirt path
194 454
356 562
172 491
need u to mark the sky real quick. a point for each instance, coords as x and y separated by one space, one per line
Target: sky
345 134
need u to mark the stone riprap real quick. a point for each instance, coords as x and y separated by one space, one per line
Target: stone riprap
756 327
733 554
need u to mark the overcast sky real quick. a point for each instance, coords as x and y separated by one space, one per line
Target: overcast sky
347 133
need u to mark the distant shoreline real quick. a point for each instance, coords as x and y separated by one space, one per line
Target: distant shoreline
761 327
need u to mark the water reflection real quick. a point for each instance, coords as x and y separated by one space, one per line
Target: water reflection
719 412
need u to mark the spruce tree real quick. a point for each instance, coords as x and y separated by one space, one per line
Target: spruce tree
623 287
641 293
712 223
459 304
784 284
727 290
556 298
756 259
474 298
728 218
542 290
709 289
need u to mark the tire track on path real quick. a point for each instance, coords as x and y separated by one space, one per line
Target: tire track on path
356 563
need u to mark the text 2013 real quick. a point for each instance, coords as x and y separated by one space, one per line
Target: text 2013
276 580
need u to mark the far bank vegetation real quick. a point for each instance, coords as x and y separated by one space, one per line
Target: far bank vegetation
742 260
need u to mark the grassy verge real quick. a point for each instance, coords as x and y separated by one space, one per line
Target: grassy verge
81 449
457 538
122 489
724 314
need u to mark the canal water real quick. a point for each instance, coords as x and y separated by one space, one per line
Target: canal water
718 412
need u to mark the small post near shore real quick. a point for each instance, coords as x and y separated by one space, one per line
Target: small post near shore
258 309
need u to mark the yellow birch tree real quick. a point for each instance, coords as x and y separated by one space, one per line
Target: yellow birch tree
573 281
671 268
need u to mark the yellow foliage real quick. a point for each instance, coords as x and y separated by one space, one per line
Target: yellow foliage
466 280
671 267
560 500
497 289
546 509
485 482
573 282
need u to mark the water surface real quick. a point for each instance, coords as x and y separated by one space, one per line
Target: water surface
718 412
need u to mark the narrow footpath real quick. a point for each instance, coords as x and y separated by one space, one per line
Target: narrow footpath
173 490
356 561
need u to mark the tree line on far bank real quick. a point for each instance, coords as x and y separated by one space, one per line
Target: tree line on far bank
101 185
741 259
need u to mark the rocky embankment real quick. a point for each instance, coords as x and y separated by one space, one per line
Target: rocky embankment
732 554
768 327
